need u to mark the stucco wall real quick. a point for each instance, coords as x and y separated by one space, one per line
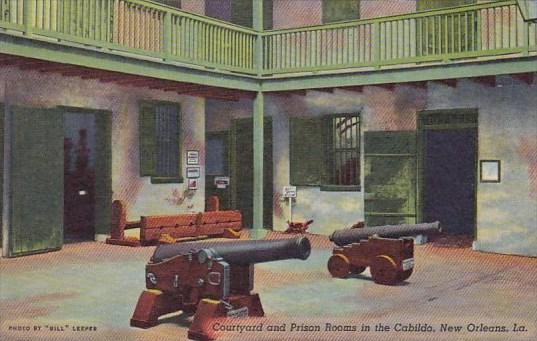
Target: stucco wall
193 6
375 8
506 211
34 89
296 13
381 109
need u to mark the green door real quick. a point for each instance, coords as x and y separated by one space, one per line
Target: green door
242 179
36 181
103 172
390 177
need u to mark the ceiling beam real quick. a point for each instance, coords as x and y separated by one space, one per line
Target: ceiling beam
288 93
56 68
486 81
527 78
358 88
452 83
417 85
388 87
327 90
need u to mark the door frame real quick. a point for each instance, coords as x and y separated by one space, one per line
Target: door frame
425 120
103 165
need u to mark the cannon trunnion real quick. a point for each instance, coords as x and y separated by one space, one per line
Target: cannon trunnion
390 260
212 280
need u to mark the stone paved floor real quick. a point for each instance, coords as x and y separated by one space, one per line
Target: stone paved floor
97 285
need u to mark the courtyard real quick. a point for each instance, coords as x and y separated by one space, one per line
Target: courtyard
88 291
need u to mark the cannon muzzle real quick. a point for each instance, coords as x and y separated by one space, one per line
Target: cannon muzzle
239 252
349 236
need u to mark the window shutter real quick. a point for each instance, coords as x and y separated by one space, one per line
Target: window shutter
306 151
147 128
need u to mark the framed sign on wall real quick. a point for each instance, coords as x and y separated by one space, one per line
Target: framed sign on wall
490 171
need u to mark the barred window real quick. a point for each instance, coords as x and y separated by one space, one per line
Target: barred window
160 141
344 150
325 152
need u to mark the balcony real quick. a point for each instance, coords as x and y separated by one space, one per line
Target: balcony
148 31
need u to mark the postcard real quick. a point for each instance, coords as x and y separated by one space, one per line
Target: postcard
306 170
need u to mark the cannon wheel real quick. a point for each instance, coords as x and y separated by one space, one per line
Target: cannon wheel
405 274
384 270
339 266
357 269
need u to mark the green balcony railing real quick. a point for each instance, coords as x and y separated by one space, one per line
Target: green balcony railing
146 28
468 31
136 26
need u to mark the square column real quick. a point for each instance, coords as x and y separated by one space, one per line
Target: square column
258 231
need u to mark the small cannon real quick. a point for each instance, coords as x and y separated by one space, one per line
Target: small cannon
391 260
214 280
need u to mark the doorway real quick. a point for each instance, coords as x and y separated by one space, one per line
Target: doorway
217 158
448 164
36 209
242 179
87 173
79 176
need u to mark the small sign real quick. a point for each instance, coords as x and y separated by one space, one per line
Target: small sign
490 171
408 264
289 191
238 313
221 182
192 157
192 183
192 172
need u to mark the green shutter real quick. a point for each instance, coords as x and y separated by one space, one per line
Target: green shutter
306 151
147 129
340 10
103 172
36 176
390 177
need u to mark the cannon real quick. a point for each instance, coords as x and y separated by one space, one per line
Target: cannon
353 235
391 260
212 280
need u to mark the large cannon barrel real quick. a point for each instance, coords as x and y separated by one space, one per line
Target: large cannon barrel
239 252
348 236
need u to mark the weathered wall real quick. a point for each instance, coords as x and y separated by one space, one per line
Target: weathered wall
506 211
194 6
375 8
34 89
296 13
381 109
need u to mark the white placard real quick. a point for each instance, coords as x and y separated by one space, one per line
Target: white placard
289 191
192 157
221 181
192 172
